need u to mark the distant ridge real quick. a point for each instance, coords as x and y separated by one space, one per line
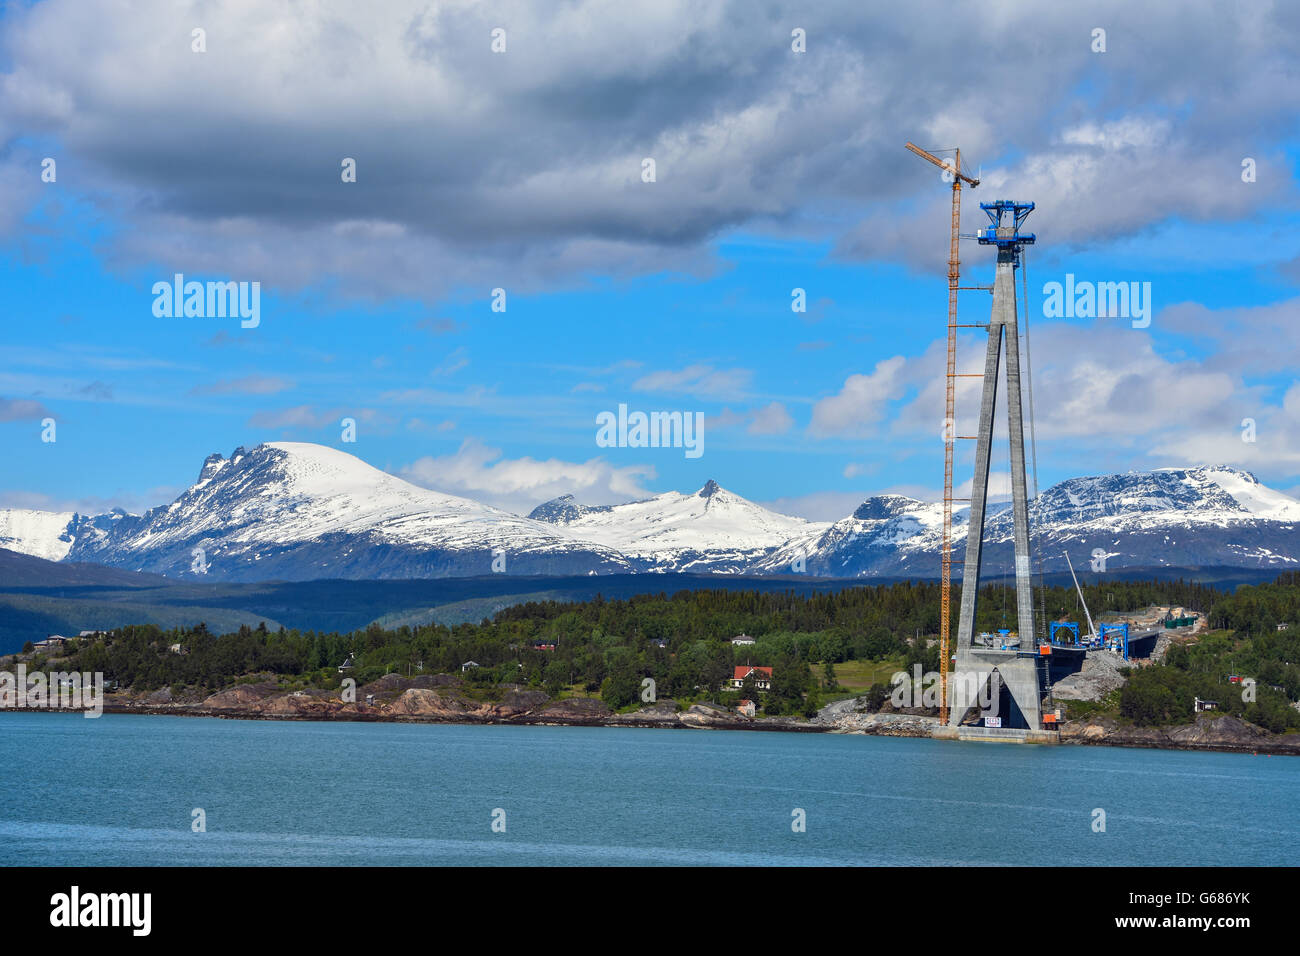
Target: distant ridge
299 512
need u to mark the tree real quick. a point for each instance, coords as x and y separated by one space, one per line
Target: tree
829 680
555 677
876 696
619 689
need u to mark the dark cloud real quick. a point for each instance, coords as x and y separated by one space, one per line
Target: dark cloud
523 168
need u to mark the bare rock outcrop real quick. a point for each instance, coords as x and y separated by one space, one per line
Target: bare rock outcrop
1099 676
1207 732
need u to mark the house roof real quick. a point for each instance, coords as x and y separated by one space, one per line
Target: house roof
742 671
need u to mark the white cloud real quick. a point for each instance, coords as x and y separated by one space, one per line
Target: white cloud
819 505
518 485
454 362
310 417
771 419
860 404
247 385
698 381
129 501
744 133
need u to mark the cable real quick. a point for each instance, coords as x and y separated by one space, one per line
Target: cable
1033 446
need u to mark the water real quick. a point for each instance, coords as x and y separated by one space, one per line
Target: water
120 790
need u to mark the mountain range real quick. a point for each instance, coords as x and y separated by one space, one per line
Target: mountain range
298 512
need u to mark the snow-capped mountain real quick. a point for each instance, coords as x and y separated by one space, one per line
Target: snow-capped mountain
40 533
297 511
711 530
1190 517
1178 517
884 531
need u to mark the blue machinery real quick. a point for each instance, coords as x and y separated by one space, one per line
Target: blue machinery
1112 636
1008 237
1071 626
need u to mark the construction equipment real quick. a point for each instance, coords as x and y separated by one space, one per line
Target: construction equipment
1092 629
1118 643
949 432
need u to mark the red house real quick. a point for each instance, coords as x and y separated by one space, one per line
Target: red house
762 676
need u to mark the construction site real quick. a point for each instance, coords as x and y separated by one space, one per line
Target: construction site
1002 685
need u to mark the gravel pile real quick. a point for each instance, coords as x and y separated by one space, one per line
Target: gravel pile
1100 675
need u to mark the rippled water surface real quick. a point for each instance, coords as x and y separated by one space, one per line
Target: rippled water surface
122 790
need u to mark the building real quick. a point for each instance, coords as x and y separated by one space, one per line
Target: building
347 665
742 640
762 676
544 647
745 708
1200 705
176 649
467 665
91 633
51 643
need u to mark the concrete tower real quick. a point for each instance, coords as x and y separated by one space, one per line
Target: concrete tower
1017 668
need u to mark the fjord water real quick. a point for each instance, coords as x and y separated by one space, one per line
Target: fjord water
121 790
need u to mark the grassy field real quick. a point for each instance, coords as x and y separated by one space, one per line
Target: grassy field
857 676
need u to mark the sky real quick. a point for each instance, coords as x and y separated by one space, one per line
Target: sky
1161 152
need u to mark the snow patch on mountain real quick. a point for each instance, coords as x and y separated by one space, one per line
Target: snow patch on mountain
299 511
43 534
712 529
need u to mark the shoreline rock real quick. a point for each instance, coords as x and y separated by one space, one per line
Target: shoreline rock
439 699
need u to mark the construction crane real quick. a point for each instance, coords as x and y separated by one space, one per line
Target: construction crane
1092 628
949 421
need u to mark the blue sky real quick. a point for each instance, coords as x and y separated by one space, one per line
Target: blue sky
774 171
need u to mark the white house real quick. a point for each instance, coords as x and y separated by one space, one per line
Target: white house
742 640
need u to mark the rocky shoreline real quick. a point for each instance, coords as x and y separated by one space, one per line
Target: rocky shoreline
439 699
1219 732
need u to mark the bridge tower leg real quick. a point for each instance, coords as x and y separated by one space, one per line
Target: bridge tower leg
1019 674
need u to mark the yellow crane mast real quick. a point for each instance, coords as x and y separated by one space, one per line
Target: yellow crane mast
949 421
